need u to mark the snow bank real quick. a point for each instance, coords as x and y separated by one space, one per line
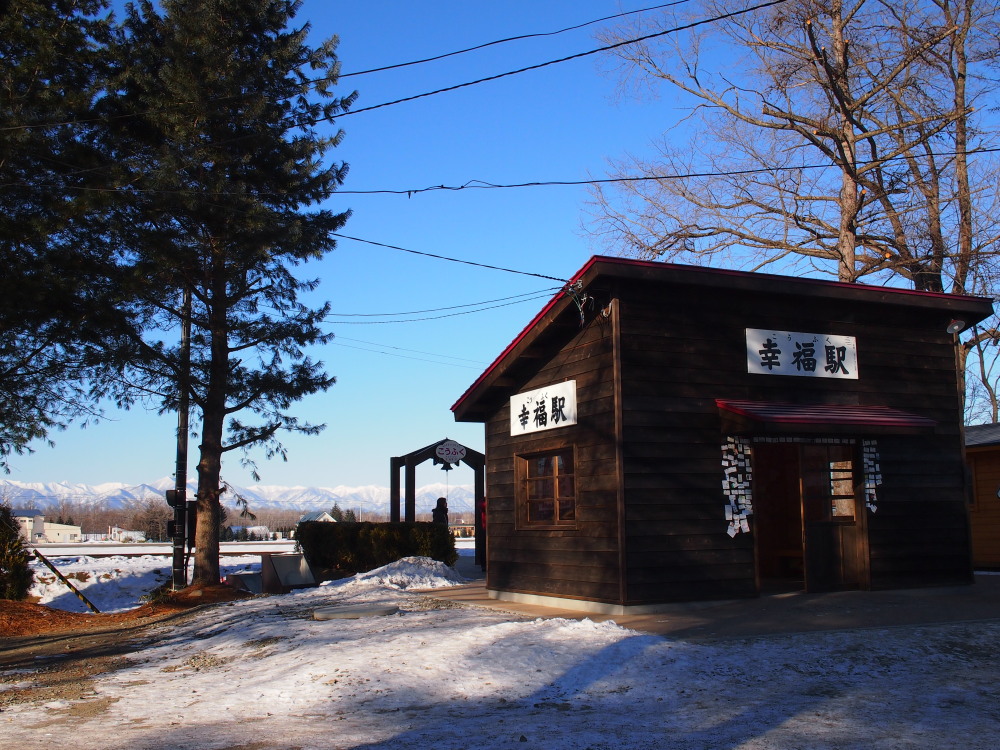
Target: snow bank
407 573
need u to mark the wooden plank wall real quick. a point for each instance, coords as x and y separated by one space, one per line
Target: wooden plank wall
984 513
582 562
919 536
682 348
674 365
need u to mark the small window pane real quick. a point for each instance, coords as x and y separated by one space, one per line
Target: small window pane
541 510
566 486
547 489
540 488
540 467
843 507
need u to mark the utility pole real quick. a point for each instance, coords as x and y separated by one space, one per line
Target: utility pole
179 494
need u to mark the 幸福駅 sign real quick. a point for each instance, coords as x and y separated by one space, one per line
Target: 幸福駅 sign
543 408
816 355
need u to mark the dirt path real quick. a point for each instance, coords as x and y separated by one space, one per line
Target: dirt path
48 655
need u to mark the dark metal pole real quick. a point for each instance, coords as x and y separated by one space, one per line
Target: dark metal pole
180 473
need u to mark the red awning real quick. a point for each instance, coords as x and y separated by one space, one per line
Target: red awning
781 417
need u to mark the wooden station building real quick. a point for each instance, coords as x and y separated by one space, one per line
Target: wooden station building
663 433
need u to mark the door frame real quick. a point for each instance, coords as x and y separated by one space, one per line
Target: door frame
861 579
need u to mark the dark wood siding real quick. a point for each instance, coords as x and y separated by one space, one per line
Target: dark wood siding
679 356
658 348
582 562
920 533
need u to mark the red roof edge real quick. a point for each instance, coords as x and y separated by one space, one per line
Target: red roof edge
524 332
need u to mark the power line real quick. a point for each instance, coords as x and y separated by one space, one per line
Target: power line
406 356
442 309
547 295
509 39
483 185
414 351
395 66
694 24
453 260
537 66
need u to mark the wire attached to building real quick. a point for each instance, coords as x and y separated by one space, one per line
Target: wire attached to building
452 260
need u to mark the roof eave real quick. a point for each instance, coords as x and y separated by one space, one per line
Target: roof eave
466 409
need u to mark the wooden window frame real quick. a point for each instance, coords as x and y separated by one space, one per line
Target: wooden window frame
523 478
830 480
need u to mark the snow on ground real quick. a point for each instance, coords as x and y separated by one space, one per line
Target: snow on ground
113 584
262 674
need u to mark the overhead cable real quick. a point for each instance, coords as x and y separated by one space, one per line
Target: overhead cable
452 260
442 309
537 66
547 295
363 72
414 351
518 38
406 356
483 185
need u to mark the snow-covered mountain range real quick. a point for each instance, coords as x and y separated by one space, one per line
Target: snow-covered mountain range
367 499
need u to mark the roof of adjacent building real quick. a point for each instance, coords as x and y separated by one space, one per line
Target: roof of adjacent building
26 512
982 434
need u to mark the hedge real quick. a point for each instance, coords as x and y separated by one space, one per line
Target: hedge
338 550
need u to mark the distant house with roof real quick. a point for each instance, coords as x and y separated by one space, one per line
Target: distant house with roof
32 523
36 530
982 451
318 515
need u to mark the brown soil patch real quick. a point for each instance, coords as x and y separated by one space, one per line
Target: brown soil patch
18 619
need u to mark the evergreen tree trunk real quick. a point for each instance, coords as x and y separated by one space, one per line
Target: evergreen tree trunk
216 106
206 566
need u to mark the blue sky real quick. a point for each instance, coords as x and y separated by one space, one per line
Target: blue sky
396 382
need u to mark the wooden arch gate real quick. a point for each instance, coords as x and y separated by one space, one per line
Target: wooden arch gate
445 452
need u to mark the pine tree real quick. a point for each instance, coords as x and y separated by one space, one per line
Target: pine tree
218 103
336 513
15 572
59 296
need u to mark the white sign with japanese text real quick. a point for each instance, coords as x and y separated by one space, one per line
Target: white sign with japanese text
815 355
450 452
543 408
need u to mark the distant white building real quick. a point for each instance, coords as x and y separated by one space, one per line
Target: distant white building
36 530
116 534
318 515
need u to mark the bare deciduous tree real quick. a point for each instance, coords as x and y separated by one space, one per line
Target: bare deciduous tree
839 137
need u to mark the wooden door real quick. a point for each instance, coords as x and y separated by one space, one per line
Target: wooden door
833 521
777 505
